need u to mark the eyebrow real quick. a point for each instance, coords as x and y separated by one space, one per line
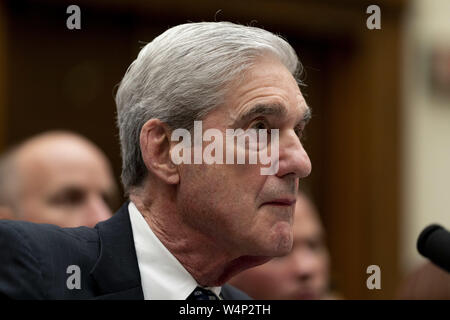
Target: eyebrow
272 109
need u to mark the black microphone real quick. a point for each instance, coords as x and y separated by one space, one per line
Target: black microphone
434 244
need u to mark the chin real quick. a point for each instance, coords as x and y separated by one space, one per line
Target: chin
281 245
284 250
283 240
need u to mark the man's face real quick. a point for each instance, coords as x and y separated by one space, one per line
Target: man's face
64 182
302 274
244 212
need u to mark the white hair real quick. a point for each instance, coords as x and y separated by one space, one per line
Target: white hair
182 75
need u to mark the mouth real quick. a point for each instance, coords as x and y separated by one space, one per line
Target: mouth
284 202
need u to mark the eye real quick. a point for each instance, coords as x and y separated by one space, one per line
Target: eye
70 197
315 245
259 125
256 144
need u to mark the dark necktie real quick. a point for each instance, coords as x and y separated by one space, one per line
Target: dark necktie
202 294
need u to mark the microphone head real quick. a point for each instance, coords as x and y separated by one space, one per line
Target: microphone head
423 237
434 244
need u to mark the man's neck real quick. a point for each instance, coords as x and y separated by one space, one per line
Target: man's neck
205 259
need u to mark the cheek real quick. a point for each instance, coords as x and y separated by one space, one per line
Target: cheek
33 208
223 185
205 192
323 265
41 212
65 221
202 184
219 199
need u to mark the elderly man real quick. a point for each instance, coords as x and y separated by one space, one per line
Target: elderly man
303 273
191 225
59 178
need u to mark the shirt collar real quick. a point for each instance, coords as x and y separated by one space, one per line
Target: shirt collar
163 277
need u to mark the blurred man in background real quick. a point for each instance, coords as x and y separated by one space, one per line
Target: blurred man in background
303 273
59 178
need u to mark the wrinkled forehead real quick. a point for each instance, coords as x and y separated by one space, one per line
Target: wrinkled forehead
269 87
265 69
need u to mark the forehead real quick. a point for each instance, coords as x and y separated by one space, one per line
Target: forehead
267 82
49 166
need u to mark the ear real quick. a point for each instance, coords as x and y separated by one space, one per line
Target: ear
155 149
6 213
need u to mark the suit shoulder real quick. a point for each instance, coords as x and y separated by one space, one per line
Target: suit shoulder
42 233
35 257
20 270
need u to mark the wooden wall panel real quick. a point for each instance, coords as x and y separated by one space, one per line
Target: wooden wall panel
3 74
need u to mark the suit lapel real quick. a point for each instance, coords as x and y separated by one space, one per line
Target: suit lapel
116 271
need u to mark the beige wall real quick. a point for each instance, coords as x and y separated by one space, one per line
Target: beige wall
427 129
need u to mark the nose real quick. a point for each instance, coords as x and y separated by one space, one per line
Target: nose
293 158
97 211
303 265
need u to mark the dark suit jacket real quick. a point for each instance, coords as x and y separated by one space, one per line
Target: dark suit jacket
34 259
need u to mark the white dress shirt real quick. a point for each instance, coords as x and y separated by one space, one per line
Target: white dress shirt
163 277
